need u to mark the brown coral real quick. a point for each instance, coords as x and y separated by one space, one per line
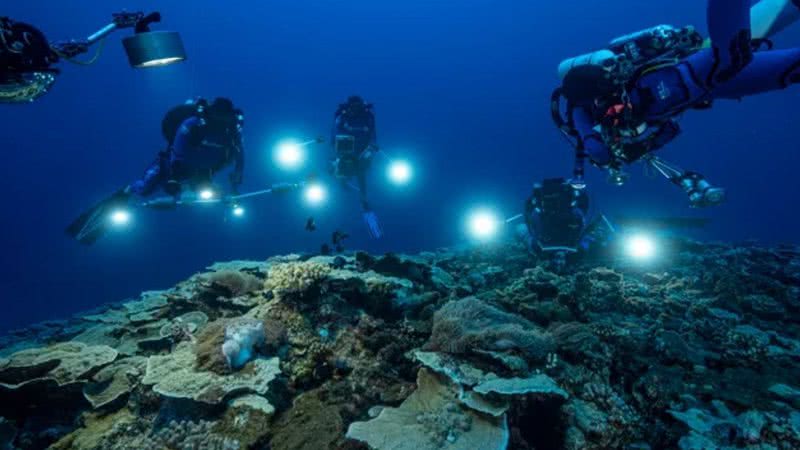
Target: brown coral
234 282
463 325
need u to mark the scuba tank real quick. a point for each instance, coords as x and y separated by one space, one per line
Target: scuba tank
627 55
176 116
192 108
604 58
623 61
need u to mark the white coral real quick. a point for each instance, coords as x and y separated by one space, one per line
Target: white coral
242 338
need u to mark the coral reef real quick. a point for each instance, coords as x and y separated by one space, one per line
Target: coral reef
466 325
473 348
62 363
234 282
175 376
115 381
295 278
430 418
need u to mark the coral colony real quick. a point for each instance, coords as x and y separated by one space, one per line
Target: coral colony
455 349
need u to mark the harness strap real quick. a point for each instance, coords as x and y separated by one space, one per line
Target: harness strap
566 126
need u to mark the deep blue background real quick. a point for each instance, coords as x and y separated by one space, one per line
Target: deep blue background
460 87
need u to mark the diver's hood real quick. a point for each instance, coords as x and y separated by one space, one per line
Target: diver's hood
584 84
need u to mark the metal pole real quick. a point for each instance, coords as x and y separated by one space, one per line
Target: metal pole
100 34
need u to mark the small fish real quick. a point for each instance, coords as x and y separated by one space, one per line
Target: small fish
311 225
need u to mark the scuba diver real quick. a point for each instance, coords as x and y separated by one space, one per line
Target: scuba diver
203 138
558 227
355 145
555 219
555 214
623 103
27 58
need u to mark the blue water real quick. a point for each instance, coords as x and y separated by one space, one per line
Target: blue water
461 88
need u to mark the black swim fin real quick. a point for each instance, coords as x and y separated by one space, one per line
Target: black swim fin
93 223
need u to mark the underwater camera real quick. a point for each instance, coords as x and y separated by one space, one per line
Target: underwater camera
345 144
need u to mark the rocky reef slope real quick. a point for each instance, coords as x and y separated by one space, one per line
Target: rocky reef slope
469 349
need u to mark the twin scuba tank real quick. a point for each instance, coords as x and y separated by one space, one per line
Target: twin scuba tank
628 55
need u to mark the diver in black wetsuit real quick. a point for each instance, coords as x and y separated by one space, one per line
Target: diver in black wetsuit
555 215
355 145
623 103
202 139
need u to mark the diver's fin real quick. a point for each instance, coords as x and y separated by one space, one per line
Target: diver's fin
93 223
373 225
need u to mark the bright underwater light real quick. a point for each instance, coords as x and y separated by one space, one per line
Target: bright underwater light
238 211
483 224
315 194
400 172
154 49
120 217
289 155
640 247
206 194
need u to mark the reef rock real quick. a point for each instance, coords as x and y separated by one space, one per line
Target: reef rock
698 351
430 419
